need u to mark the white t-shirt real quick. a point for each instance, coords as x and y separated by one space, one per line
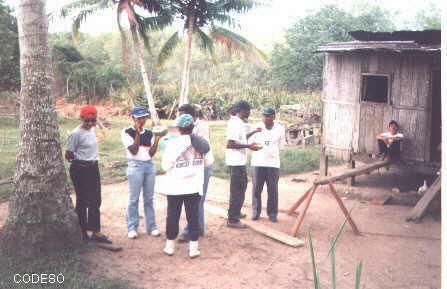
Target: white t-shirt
83 143
201 128
146 141
272 142
391 136
236 131
184 167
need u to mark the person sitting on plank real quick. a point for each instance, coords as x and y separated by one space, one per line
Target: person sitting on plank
390 142
82 152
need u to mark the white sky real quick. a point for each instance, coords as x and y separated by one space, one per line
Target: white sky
263 25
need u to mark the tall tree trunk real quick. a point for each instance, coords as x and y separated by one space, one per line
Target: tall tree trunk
41 216
187 65
144 75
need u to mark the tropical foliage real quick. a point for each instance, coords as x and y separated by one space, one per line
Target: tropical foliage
9 50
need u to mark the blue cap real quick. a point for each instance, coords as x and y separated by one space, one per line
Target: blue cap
184 120
140 111
268 111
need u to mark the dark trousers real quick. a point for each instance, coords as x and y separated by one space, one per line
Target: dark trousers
238 186
393 151
86 181
270 176
192 215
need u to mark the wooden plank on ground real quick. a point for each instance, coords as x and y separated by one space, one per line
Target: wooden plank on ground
352 173
260 228
421 207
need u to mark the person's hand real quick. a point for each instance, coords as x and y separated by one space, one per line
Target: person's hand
254 147
259 129
138 128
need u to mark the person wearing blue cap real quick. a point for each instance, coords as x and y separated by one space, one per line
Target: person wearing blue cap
236 160
266 163
184 163
141 145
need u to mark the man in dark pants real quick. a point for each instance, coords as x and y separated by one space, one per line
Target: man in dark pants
236 160
266 163
82 152
389 142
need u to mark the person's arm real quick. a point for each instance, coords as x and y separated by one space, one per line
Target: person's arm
231 144
72 144
253 132
133 148
69 155
154 146
200 144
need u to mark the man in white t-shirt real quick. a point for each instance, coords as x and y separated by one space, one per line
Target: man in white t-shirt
389 142
266 163
236 160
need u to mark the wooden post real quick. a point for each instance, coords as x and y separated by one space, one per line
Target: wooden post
324 160
300 218
343 208
351 165
295 206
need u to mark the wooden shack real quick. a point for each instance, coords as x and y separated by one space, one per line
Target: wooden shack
380 77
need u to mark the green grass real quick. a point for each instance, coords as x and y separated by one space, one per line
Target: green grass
113 157
74 270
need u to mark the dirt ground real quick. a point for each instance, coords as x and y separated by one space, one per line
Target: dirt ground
395 254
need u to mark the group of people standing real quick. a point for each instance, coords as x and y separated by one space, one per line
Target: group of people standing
187 159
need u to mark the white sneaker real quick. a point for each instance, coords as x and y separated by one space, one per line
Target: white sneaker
169 248
155 233
194 249
132 234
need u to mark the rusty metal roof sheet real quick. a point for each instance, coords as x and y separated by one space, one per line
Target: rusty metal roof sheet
385 46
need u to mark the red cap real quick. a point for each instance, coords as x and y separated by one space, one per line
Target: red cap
88 109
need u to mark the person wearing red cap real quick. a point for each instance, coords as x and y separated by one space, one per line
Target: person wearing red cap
82 152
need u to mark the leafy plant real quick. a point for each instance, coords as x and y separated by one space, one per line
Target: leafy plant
331 253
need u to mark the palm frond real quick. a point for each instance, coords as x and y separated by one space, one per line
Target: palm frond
234 6
167 50
159 22
141 28
205 43
236 43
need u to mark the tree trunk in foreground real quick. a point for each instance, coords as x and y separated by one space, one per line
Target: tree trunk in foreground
147 84
187 65
41 215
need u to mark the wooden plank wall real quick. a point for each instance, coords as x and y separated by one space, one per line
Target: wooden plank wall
351 124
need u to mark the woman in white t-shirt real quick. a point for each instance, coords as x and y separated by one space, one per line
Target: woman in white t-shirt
389 142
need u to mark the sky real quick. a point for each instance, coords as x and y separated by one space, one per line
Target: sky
263 25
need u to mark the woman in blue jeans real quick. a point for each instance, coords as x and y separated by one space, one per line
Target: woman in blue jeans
141 145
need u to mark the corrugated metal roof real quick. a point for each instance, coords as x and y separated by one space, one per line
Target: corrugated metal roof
391 46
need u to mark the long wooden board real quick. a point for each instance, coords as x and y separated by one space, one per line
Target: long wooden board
421 207
352 173
260 228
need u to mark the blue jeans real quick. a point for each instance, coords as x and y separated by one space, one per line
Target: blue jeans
206 180
141 176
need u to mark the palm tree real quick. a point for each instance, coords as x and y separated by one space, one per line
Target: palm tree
198 18
41 216
139 26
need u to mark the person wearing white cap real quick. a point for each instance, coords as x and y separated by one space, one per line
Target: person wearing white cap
183 160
